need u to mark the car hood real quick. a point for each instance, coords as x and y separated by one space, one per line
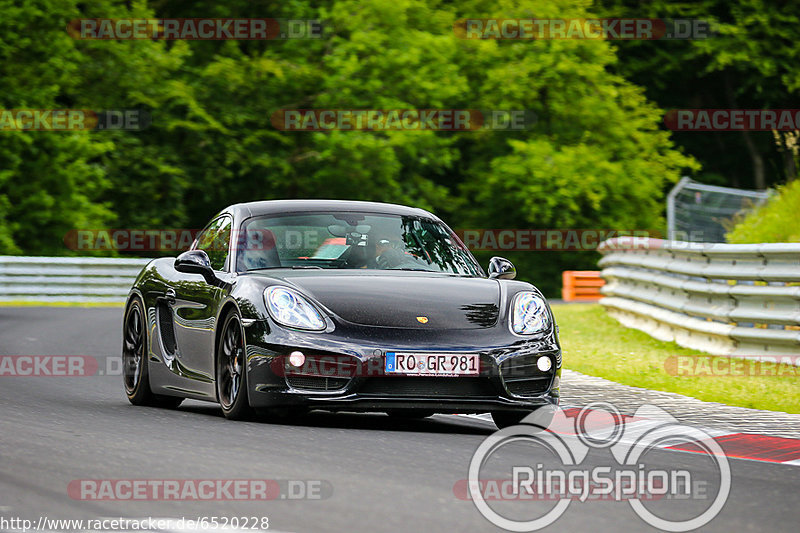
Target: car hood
403 300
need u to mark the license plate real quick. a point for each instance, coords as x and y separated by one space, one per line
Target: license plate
432 364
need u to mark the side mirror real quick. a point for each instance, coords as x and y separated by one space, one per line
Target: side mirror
196 262
500 268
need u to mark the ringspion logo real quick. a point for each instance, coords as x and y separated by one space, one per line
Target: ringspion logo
566 476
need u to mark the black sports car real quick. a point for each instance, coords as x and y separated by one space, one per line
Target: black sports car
290 305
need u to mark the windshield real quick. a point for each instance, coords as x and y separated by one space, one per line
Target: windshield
352 241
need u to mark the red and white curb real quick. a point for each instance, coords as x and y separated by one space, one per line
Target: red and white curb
735 444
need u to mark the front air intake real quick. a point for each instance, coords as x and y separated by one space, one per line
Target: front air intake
522 377
166 328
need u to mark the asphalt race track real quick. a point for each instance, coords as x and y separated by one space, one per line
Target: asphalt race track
379 474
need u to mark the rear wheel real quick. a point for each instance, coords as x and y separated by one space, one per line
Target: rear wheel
135 369
231 370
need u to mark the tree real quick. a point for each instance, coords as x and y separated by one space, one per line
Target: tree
595 158
749 61
54 182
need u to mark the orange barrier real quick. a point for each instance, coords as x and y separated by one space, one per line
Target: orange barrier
581 285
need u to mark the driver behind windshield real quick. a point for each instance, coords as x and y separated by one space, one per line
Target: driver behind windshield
388 253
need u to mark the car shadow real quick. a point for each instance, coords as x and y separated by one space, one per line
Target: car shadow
450 424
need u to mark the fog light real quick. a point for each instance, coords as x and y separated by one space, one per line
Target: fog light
543 363
297 359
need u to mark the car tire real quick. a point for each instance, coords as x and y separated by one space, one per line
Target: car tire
135 363
504 419
231 370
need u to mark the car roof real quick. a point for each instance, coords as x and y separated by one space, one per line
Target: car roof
270 207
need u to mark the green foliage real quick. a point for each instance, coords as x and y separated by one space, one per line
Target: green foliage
775 221
596 158
749 62
53 182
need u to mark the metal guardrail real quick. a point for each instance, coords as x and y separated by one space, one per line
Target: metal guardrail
67 279
725 299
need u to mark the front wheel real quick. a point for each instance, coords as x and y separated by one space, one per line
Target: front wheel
135 369
231 371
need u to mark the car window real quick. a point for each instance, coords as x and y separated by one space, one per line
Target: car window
353 240
215 241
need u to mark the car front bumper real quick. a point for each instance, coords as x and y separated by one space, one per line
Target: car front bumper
508 379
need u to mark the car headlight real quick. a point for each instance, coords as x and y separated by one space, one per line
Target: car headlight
287 307
529 314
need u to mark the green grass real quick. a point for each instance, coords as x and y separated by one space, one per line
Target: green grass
595 344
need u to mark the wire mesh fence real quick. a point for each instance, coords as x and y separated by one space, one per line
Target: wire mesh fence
705 213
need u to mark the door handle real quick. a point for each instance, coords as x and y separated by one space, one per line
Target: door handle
170 296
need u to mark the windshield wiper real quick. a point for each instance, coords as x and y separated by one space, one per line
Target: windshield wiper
412 269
